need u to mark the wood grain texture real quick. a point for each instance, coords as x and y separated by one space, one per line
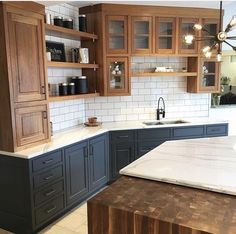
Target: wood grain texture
139 206
72 97
71 65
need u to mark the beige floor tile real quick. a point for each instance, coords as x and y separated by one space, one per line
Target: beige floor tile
82 210
57 230
4 231
83 229
72 221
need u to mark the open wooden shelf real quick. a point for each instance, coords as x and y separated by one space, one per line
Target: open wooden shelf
71 65
68 33
72 97
165 74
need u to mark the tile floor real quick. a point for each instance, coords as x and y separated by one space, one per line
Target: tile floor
74 222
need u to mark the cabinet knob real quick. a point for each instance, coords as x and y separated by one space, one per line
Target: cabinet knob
43 90
45 115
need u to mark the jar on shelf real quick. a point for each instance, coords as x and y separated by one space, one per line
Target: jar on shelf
58 21
63 89
68 23
82 23
71 88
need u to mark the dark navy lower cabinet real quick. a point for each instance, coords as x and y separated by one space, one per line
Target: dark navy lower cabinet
98 162
213 130
77 180
188 132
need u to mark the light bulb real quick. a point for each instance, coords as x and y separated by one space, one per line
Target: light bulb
188 39
219 57
208 54
232 22
206 49
197 27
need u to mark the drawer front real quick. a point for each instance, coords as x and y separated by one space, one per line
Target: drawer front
47 160
217 130
47 211
123 136
188 132
48 176
160 133
48 192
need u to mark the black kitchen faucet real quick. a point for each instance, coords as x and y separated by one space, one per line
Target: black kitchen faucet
161 111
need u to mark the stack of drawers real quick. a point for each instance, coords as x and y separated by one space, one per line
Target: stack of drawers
48 186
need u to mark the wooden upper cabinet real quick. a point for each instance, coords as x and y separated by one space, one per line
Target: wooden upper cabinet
185 28
142 35
117 34
31 125
26 44
165 39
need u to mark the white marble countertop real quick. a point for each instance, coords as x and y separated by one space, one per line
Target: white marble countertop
207 163
65 138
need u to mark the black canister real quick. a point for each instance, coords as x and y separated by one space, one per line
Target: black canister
71 88
63 89
58 21
81 84
82 23
68 23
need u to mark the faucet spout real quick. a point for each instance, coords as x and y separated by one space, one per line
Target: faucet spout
161 111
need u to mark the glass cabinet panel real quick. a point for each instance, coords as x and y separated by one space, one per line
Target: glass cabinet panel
118 79
117 34
209 75
186 28
165 35
141 35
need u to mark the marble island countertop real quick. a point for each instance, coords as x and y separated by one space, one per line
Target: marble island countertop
67 137
208 163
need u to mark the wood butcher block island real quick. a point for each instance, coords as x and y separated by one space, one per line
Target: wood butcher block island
158 204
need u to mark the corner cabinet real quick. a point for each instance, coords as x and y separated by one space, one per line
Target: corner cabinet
24 121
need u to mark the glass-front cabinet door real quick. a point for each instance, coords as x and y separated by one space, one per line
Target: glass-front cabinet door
211 28
117 35
209 76
185 29
165 35
118 76
141 42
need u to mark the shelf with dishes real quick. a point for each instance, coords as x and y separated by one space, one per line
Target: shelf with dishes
156 74
57 31
72 97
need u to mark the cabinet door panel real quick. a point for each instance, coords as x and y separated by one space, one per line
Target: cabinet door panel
27 56
98 162
76 172
32 124
122 154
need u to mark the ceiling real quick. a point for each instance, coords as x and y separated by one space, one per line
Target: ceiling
202 4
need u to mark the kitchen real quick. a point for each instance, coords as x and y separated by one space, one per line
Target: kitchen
121 108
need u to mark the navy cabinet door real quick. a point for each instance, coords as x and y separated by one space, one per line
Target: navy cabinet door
98 161
76 159
122 154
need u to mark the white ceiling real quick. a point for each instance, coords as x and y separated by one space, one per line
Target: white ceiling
203 4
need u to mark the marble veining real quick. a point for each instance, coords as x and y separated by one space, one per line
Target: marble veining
67 137
206 163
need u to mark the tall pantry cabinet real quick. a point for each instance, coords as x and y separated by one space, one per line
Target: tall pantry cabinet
24 119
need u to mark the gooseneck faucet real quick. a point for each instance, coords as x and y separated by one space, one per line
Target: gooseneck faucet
161 111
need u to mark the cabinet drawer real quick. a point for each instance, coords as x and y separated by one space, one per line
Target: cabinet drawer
217 130
125 136
48 176
47 211
48 192
152 134
47 160
188 132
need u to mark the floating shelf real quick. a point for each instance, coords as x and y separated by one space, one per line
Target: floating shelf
165 74
68 33
71 65
72 97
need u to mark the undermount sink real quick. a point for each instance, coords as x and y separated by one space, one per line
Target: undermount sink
165 122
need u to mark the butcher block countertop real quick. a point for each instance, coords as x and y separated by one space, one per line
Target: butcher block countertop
139 206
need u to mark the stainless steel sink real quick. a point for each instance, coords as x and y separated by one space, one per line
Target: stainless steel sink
165 122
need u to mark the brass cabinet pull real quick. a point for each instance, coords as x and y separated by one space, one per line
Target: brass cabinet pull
48 161
52 209
50 193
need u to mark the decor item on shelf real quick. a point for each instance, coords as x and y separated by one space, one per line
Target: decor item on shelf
217 39
48 55
63 89
184 69
53 89
48 18
75 55
81 84
68 23
225 80
58 21
57 51
71 88
82 23
164 69
83 55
